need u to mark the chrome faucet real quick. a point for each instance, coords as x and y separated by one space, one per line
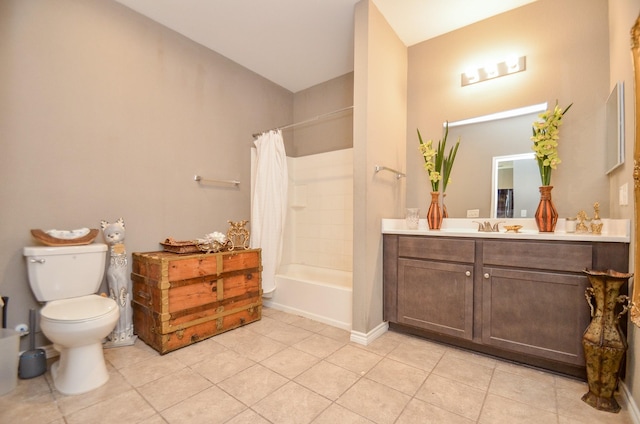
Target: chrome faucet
486 227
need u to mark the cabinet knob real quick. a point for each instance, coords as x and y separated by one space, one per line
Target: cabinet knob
468 273
486 275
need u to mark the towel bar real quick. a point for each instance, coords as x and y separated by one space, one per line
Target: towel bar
384 168
199 179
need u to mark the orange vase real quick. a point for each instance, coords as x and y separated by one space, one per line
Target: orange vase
434 214
546 215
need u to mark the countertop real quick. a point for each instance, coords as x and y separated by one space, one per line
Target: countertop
613 230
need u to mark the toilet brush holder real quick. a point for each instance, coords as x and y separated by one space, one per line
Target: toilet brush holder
33 362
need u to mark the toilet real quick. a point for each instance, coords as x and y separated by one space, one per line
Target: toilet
74 318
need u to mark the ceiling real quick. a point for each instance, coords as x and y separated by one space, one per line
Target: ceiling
300 43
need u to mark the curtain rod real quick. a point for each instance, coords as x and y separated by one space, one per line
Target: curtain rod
315 118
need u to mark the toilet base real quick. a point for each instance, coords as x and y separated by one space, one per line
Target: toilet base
120 343
79 369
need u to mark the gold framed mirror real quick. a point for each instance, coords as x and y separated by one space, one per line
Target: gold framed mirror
635 49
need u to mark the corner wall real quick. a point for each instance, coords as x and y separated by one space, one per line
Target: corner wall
379 128
106 114
333 131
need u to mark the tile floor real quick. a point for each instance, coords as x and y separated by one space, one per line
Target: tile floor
288 369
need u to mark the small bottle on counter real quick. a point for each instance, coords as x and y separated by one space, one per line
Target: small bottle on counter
570 225
413 218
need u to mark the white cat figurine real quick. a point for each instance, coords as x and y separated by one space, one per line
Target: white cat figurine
119 283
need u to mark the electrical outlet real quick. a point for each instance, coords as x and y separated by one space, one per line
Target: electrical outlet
23 329
473 213
523 213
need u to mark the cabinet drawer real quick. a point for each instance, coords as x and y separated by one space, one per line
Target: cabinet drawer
556 256
437 248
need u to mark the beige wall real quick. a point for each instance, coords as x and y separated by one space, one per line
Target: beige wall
380 106
566 45
332 132
106 114
622 15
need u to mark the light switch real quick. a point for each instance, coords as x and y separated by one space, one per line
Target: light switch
623 196
473 213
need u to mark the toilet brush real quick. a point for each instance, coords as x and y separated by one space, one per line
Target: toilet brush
5 303
33 362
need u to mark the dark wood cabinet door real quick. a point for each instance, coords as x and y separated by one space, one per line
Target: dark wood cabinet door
436 296
537 313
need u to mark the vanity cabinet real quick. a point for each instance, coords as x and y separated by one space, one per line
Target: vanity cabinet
522 300
434 293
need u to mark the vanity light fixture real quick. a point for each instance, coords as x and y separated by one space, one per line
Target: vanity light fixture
511 65
472 76
491 69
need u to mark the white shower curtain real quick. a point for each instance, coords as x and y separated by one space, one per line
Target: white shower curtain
269 203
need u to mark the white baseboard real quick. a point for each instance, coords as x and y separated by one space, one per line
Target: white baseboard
633 408
366 338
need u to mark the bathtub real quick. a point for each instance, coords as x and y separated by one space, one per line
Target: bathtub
321 294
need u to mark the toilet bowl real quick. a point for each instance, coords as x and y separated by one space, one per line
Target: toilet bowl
77 327
74 318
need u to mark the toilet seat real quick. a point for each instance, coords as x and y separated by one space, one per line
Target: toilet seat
79 309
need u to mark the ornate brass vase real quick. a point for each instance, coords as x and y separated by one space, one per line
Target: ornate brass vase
434 214
603 341
546 215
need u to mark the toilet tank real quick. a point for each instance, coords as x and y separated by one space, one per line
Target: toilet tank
65 272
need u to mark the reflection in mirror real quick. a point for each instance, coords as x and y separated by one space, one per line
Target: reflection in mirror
514 188
482 139
615 128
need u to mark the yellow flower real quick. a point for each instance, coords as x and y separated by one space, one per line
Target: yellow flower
546 134
435 163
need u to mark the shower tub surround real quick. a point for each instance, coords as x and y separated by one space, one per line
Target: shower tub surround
315 279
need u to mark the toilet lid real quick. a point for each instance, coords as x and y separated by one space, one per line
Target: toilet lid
83 308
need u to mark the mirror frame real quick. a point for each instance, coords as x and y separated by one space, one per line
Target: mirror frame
614 136
537 108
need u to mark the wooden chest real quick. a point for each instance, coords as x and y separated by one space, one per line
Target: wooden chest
180 299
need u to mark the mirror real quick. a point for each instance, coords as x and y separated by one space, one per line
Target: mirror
615 128
514 186
499 139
